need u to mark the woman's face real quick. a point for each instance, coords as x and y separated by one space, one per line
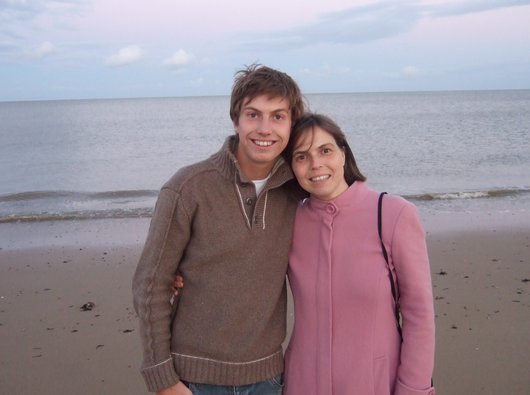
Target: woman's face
318 164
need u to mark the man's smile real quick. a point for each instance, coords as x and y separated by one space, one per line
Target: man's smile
263 143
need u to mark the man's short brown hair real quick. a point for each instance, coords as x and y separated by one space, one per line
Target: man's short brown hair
256 80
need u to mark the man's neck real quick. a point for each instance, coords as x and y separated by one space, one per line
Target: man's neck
256 172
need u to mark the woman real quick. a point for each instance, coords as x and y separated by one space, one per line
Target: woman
345 338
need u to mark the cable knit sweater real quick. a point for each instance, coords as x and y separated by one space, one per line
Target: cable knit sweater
231 247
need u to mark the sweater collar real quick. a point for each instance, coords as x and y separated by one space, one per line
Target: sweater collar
351 195
225 160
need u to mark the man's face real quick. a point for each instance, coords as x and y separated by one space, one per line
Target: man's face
264 126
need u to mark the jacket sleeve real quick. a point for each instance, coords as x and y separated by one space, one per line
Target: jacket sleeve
411 262
153 287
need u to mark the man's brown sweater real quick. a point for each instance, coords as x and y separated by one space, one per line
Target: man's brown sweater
232 248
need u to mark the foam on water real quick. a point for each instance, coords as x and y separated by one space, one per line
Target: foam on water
86 159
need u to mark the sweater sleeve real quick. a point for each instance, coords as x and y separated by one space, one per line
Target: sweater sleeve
153 287
411 262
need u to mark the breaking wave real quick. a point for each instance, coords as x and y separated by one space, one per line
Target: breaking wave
38 206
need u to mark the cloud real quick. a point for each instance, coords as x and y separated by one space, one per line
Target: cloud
24 19
125 56
472 6
360 24
11 10
350 26
20 8
14 14
6 47
410 71
179 60
44 49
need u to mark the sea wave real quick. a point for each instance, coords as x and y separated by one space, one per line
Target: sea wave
34 206
493 193
75 195
38 206
78 215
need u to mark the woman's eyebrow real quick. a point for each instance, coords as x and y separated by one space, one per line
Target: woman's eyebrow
298 151
295 152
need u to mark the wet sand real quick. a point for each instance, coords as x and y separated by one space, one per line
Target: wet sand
50 345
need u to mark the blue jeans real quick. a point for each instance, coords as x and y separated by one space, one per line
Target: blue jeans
268 387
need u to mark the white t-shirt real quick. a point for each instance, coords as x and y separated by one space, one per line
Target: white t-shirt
259 184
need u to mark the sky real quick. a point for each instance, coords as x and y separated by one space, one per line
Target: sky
83 49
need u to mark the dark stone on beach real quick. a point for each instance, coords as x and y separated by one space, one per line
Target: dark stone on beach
128 330
88 306
525 280
442 273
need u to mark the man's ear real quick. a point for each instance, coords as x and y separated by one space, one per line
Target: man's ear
235 125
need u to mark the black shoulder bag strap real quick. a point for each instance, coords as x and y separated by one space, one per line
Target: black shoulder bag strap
393 287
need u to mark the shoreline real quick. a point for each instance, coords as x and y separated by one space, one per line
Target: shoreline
480 270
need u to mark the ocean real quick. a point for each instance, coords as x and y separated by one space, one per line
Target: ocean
86 159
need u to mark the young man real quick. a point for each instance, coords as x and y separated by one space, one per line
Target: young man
225 224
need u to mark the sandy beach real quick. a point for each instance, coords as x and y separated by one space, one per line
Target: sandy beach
50 345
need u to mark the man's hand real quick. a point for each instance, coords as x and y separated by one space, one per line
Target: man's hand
177 389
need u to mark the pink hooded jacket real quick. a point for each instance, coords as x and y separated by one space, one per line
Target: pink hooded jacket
345 339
